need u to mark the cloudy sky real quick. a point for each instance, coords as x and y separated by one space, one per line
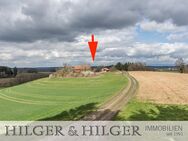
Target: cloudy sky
53 32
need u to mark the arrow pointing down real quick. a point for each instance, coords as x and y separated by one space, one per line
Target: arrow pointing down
93 47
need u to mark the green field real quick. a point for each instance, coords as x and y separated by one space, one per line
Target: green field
144 111
58 98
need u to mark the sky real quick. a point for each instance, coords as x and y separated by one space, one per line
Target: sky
40 33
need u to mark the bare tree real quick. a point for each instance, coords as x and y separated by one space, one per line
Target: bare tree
180 65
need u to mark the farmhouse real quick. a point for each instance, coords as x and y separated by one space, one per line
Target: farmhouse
74 71
80 68
105 70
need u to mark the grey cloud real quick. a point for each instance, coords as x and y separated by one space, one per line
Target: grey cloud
31 20
163 10
63 20
50 32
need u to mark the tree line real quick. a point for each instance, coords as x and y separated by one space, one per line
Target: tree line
130 66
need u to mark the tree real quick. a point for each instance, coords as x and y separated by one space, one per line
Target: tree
180 65
126 66
119 66
15 71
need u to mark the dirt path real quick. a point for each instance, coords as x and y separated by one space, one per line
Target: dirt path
162 87
111 107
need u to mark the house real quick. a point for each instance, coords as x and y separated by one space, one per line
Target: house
80 68
105 69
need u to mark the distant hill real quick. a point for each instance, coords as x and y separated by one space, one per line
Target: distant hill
162 67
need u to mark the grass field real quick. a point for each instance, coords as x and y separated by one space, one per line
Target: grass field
141 111
58 99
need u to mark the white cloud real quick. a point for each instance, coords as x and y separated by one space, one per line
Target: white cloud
151 50
174 32
160 27
119 46
182 36
5 56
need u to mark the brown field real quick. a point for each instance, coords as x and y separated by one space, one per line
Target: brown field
162 87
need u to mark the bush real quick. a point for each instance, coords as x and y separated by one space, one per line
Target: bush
21 78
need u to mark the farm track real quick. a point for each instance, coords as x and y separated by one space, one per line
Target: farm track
111 107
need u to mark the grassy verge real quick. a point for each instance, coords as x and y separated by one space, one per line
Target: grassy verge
144 111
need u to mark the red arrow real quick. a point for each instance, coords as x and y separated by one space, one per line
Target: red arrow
93 47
